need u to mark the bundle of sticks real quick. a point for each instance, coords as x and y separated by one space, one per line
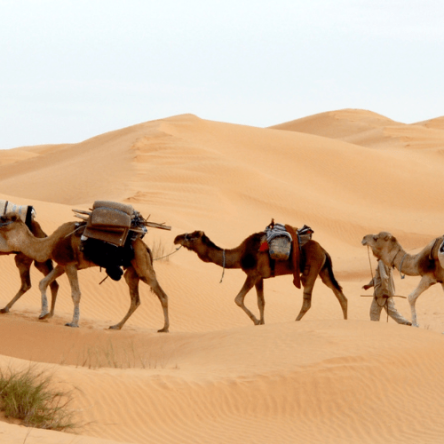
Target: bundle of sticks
138 220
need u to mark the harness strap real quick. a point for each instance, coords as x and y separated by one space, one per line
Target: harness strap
400 266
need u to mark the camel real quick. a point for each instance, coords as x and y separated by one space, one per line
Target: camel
23 263
427 263
64 247
256 264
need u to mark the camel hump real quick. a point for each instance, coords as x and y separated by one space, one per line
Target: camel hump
125 208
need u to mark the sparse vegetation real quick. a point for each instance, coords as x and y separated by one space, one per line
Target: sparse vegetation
124 357
159 250
27 395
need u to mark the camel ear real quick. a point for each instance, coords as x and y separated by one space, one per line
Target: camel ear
200 233
385 235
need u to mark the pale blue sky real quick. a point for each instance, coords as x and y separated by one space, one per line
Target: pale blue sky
70 70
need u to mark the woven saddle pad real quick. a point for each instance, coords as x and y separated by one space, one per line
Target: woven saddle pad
7 207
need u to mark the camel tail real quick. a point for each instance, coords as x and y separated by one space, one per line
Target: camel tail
329 266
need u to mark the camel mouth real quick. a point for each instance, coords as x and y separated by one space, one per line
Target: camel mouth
180 240
4 224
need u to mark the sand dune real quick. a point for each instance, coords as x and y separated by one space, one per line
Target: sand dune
215 377
371 130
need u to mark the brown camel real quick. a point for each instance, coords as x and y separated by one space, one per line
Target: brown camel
23 264
64 247
256 264
425 264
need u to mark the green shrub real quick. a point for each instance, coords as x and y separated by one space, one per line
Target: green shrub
27 396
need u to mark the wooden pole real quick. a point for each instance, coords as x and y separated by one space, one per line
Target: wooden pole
371 296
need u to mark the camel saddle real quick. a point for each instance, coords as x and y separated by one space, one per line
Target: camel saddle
25 212
284 242
109 222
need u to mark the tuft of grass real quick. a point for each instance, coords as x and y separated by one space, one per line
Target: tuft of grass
27 395
159 250
125 356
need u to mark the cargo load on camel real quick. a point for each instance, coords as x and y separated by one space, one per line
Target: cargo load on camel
108 233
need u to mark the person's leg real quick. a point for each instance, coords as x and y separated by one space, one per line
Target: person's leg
393 313
375 308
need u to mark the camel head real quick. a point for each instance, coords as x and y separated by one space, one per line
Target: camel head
198 242
10 225
384 245
191 241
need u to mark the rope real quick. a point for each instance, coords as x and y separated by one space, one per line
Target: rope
78 228
223 271
400 267
163 257
370 263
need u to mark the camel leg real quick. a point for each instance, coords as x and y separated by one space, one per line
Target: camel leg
23 264
163 298
143 265
248 285
43 285
425 283
308 279
45 268
260 299
331 283
71 272
132 279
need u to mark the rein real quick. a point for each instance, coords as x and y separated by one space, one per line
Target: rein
167 255
400 265
370 262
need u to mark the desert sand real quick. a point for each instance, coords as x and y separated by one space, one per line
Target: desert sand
217 378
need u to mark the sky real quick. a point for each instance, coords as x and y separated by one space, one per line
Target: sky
71 70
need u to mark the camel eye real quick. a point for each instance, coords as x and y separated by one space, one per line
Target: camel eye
375 238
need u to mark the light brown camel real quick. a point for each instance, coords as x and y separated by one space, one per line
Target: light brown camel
23 264
314 261
425 264
63 246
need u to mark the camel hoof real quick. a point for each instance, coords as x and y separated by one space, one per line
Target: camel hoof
163 330
415 325
44 316
115 327
4 310
71 324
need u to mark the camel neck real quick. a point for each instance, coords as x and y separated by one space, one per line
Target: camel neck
39 249
222 257
404 262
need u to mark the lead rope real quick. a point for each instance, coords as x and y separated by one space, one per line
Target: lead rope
400 267
370 263
167 255
223 271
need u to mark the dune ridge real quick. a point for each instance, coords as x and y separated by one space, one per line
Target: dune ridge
215 377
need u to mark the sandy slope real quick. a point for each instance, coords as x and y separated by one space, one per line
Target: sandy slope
215 377
371 130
